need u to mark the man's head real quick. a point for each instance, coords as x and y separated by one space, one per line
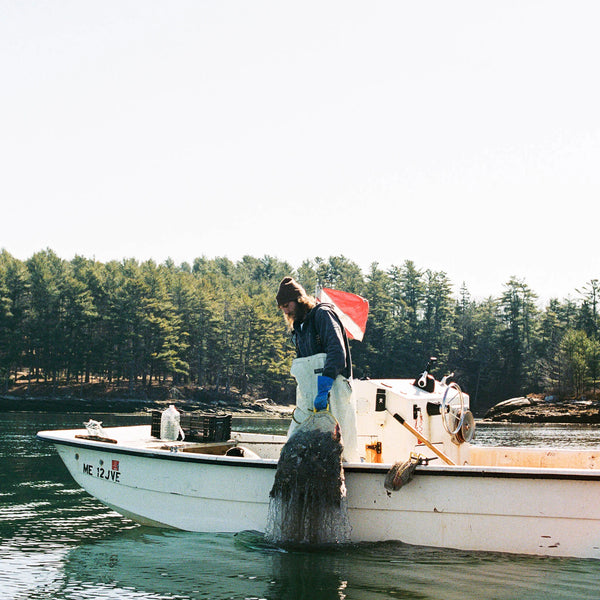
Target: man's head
293 300
289 291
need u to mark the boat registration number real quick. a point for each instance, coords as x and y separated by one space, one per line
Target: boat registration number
109 472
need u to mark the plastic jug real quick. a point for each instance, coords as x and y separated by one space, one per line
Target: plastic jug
170 428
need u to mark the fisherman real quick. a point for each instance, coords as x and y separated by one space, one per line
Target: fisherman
323 365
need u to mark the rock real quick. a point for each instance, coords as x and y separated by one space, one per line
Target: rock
532 410
508 406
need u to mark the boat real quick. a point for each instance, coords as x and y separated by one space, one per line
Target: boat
534 501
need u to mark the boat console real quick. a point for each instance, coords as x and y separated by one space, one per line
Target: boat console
395 418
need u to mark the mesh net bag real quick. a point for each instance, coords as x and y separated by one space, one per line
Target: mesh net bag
308 499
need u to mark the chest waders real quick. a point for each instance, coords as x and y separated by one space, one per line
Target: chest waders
341 401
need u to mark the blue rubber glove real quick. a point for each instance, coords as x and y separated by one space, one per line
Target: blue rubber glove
324 384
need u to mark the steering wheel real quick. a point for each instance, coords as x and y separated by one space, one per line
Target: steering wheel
453 409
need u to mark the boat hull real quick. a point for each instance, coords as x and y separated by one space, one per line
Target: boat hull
502 509
172 490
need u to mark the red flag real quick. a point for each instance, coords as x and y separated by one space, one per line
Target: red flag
351 309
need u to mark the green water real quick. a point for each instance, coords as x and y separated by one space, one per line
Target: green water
56 542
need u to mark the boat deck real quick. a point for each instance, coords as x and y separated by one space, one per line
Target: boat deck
138 438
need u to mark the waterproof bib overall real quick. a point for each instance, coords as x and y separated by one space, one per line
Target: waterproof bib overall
341 401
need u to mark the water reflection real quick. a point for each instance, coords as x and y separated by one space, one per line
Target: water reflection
175 564
58 543
538 434
300 572
486 433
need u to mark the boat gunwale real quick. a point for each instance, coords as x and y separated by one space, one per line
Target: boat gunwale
363 468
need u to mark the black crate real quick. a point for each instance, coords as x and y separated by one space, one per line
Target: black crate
198 427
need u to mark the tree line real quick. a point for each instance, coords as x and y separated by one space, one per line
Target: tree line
214 323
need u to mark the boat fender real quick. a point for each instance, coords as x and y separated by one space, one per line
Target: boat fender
241 451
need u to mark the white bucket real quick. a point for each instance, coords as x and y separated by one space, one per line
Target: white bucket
170 428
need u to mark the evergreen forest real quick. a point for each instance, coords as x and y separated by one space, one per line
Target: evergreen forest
214 324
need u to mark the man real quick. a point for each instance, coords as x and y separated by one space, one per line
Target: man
323 365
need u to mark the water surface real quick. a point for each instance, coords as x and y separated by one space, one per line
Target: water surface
58 543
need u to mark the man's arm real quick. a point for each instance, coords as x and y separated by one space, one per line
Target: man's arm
332 340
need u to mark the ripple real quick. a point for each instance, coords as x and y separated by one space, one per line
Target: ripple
41 484
58 543
21 511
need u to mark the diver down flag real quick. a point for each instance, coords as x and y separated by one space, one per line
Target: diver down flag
351 309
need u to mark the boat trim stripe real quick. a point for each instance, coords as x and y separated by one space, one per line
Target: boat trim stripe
448 471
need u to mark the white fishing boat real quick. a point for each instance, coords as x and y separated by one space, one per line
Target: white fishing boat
540 501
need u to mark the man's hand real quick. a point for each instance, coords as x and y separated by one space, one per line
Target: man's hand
324 384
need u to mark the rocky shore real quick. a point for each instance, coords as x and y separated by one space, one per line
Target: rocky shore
532 409
100 399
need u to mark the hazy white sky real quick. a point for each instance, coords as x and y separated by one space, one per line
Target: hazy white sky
463 135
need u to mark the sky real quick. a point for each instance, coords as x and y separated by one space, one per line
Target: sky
463 135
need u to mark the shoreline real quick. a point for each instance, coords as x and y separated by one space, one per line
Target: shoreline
242 408
521 410
118 397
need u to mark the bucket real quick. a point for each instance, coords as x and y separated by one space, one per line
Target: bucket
170 428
